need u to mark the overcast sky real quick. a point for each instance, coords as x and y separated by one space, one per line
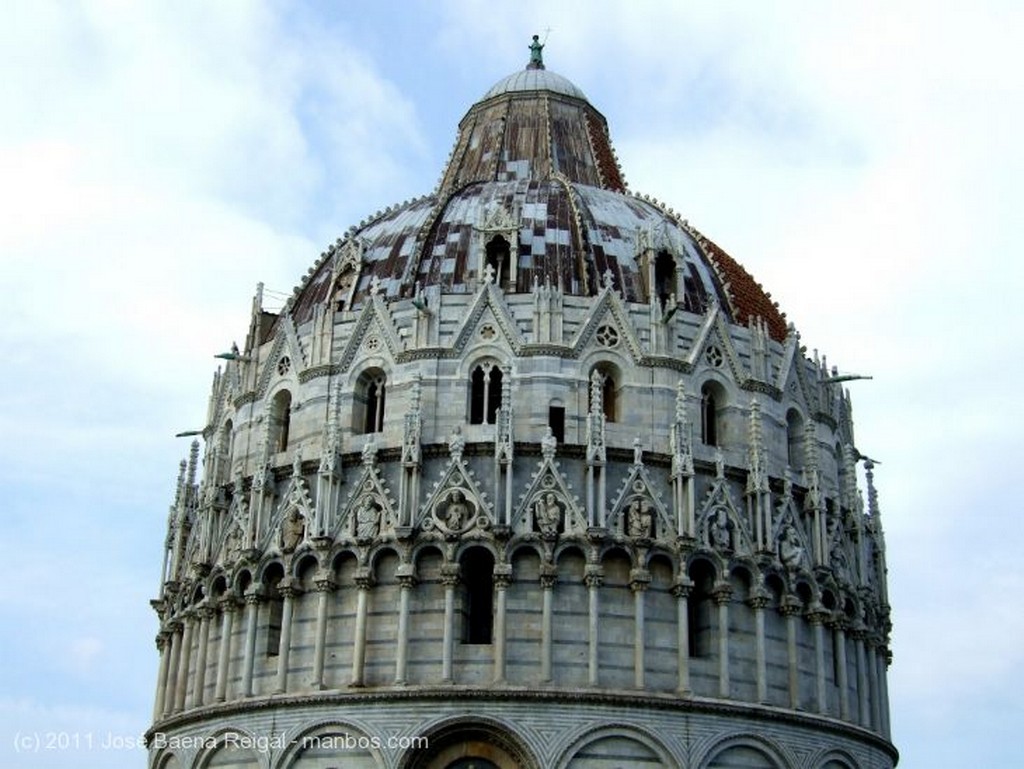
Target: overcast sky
864 162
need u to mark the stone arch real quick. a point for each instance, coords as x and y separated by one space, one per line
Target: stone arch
304 565
478 737
747 750
166 759
311 746
832 758
279 415
232 748
630 745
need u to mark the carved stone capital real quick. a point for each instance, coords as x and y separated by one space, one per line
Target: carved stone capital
639 579
502 575
227 603
450 574
721 593
682 588
594 576
363 578
548 575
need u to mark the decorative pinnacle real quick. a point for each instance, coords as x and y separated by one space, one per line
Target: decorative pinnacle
536 54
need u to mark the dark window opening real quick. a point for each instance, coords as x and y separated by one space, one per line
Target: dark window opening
664 276
708 417
370 393
280 420
609 394
556 421
275 613
794 439
478 596
485 394
699 614
374 407
498 257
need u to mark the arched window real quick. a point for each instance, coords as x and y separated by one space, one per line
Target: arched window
484 393
280 421
499 257
710 403
478 596
795 439
699 609
369 402
664 276
609 390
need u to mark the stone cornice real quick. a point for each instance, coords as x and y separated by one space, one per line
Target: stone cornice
610 697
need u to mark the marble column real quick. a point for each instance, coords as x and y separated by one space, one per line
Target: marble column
863 691
816 616
639 579
547 587
883 689
227 613
722 594
594 578
502 579
172 669
181 686
876 699
252 603
163 644
842 681
198 694
364 581
406 582
450 580
681 590
289 591
325 585
790 609
757 603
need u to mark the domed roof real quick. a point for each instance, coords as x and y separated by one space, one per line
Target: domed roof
535 80
533 166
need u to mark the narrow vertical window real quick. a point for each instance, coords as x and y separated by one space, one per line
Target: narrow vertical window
708 416
484 393
556 421
664 277
370 392
280 421
795 439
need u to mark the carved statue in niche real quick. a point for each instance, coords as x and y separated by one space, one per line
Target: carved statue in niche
233 541
457 512
548 514
718 531
292 530
367 519
791 552
640 518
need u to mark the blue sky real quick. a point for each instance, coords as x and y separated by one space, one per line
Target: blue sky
863 161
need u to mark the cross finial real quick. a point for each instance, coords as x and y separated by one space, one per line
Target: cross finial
374 286
608 279
489 273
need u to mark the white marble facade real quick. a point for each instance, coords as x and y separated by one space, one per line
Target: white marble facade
516 519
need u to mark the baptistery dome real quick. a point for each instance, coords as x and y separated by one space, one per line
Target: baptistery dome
528 473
